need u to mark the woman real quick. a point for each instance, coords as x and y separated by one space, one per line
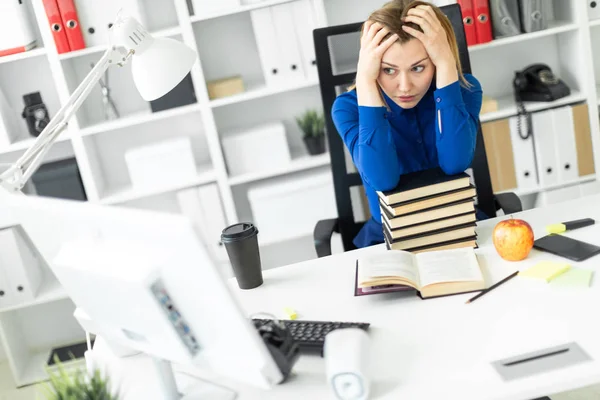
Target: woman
411 107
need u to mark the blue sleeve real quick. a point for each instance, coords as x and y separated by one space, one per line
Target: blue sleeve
366 132
457 119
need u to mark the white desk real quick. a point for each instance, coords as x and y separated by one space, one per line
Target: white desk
442 348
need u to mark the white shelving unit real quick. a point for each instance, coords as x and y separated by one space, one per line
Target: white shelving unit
226 46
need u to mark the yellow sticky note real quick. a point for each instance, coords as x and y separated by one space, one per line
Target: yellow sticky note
545 270
290 313
575 277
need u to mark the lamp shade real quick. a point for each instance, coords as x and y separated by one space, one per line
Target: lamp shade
158 64
160 67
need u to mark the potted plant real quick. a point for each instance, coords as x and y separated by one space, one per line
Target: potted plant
312 125
76 385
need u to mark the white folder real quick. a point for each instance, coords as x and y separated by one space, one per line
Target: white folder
566 149
268 49
289 45
203 207
525 167
593 9
205 7
9 125
95 18
21 264
305 22
545 147
16 27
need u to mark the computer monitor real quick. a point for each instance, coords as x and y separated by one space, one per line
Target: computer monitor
147 282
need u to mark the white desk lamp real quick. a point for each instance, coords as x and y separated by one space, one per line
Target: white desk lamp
157 66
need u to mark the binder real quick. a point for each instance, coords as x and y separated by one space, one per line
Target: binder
289 50
214 218
56 26
96 18
593 9
207 7
534 15
468 14
21 264
268 51
70 19
501 160
505 17
583 140
566 150
525 166
16 28
305 23
483 26
545 147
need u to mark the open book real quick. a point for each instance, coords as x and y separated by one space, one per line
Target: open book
432 274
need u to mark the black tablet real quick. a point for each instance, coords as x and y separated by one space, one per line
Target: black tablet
567 247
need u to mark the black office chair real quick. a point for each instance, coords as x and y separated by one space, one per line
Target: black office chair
345 224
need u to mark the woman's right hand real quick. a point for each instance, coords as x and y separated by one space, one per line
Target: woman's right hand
371 51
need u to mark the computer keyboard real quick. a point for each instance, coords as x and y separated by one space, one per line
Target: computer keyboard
310 335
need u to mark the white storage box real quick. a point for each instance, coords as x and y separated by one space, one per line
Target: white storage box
9 127
162 163
263 147
291 209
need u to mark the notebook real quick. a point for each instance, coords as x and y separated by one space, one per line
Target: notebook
424 183
430 274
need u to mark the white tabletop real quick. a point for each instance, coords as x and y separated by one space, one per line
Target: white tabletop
443 348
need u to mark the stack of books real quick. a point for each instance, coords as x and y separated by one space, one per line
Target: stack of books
429 210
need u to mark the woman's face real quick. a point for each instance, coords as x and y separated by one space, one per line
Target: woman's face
406 73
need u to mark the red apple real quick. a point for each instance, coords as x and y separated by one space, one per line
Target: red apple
513 239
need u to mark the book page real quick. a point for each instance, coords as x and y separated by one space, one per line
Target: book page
392 263
456 265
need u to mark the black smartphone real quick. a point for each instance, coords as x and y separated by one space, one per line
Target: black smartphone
567 247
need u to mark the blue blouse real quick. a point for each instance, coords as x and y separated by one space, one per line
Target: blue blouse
440 130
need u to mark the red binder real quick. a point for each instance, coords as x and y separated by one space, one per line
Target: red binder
483 25
56 26
468 13
68 12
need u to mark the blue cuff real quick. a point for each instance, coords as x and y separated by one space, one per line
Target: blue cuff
448 96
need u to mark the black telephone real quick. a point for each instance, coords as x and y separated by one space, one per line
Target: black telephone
537 82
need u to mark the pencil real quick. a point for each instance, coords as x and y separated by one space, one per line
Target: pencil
472 299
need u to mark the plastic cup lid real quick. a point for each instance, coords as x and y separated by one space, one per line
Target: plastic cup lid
239 231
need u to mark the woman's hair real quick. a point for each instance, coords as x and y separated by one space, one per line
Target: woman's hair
391 16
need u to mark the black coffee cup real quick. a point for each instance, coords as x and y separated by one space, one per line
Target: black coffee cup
241 243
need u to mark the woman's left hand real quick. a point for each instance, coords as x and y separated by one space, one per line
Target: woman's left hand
433 36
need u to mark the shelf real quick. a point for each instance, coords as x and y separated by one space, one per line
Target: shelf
507 106
102 48
525 192
595 22
50 291
139 118
298 164
26 143
553 29
122 195
262 91
249 7
35 370
35 52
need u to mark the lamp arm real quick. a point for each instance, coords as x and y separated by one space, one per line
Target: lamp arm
15 177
